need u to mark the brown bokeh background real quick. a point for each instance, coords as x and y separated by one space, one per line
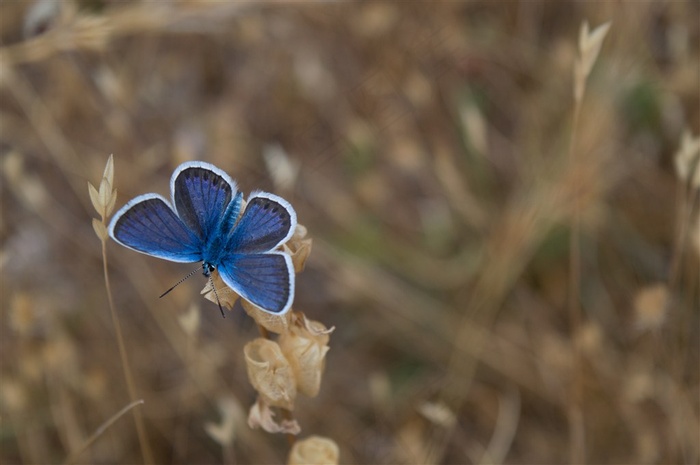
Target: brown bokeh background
426 147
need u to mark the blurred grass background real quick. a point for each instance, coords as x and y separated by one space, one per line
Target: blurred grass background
424 146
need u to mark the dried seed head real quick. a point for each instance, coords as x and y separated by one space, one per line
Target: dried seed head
299 248
438 413
108 173
189 322
305 346
687 159
651 307
226 296
283 170
261 416
104 198
278 324
100 229
270 373
314 450
474 127
231 414
94 197
589 44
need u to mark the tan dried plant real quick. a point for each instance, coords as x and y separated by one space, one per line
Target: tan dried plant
589 44
103 200
314 450
687 159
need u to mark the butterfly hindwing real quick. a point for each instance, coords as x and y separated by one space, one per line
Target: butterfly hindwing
264 279
149 225
267 221
201 192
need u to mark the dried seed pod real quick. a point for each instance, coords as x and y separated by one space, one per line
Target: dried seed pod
305 346
224 295
104 198
315 450
278 324
224 432
262 416
270 373
299 248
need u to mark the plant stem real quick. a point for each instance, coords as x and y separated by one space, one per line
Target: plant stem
103 427
577 437
138 418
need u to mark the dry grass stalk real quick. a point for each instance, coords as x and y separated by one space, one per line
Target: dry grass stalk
589 48
104 199
73 457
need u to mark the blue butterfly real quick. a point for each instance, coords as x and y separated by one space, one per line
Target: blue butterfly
202 224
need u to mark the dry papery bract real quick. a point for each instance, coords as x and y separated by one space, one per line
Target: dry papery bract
305 345
224 295
279 370
314 450
262 416
270 373
103 199
299 247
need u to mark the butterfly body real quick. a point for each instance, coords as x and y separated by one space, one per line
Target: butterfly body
205 224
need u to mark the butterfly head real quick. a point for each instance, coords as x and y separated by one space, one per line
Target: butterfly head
207 269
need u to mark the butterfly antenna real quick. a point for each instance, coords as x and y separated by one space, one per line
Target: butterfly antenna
216 294
181 281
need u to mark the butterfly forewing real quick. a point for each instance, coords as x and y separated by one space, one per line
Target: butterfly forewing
201 193
266 280
267 221
147 224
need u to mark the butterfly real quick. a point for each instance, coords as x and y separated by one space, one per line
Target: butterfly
204 224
